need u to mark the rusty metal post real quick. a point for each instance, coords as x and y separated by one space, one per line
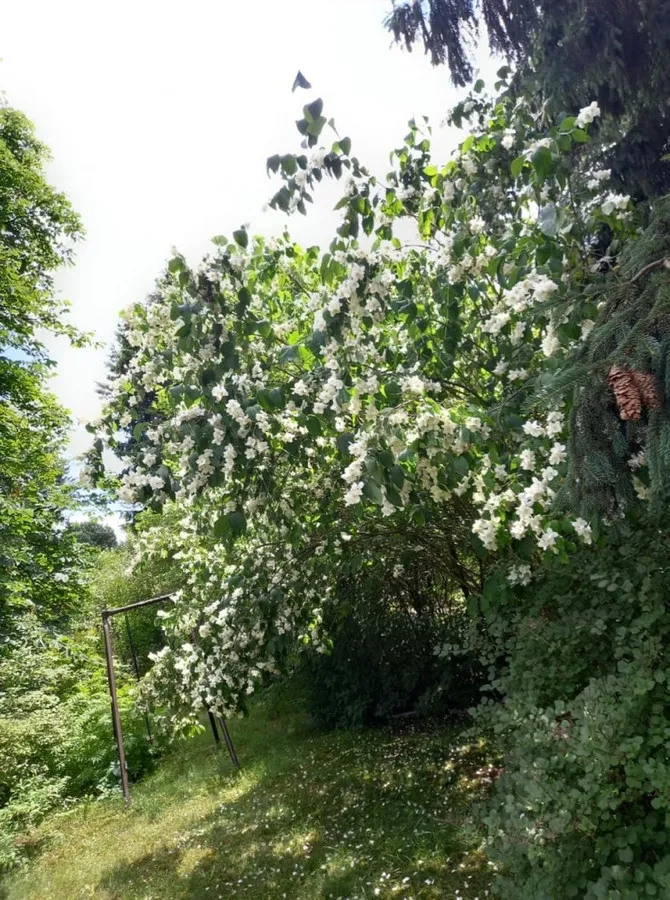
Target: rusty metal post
116 718
229 742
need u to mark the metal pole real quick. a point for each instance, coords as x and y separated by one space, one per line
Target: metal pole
116 718
212 722
133 653
229 743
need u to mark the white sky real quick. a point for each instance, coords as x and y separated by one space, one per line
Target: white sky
160 116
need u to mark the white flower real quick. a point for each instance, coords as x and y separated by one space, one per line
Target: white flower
520 575
477 225
301 177
300 388
485 529
61 576
533 428
587 114
354 493
518 332
587 327
517 374
448 190
583 529
413 385
156 483
527 460
501 368
598 178
558 454
547 539
469 165
550 342
641 489
614 201
318 157
508 139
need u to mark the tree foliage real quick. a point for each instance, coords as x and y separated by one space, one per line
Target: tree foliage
37 229
569 53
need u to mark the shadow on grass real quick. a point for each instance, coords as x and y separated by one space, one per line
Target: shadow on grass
341 815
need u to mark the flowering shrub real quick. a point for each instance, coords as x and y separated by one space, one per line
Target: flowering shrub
297 406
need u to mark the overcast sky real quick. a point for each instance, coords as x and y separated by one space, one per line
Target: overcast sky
160 116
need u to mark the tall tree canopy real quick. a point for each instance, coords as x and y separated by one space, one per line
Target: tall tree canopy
575 52
37 230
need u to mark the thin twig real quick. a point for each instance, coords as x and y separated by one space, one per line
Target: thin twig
652 265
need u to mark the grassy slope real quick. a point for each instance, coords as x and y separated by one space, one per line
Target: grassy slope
344 815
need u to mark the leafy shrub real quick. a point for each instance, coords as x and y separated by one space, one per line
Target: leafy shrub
56 737
583 807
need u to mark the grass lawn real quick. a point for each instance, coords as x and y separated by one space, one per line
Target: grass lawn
380 813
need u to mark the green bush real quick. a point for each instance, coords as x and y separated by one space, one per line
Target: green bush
56 738
583 807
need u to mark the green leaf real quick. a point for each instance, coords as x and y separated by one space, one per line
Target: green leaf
241 237
461 465
547 219
342 441
276 398
300 82
345 145
221 527
397 476
313 110
289 354
517 166
373 491
579 136
237 522
542 161
314 426
393 391
289 164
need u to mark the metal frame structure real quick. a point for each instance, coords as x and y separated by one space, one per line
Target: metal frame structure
107 615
